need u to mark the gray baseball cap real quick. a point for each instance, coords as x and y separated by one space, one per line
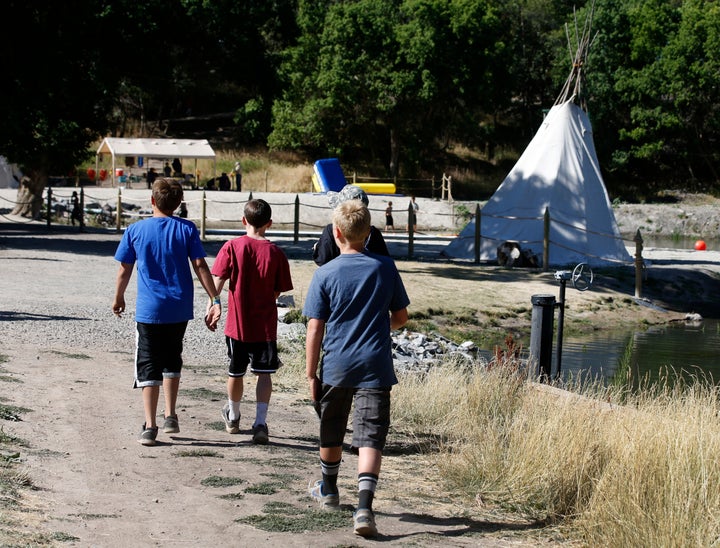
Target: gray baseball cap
349 192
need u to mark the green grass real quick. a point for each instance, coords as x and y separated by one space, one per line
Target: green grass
221 481
281 517
200 453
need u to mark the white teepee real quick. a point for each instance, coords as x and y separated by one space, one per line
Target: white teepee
559 173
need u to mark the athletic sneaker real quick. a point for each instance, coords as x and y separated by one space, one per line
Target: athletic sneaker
231 427
148 435
326 502
171 425
364 522
260 434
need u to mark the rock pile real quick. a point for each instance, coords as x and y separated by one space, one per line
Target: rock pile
412 352
417 352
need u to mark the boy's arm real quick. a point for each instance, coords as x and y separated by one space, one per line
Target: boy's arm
121 283
214 308
314 337
398 318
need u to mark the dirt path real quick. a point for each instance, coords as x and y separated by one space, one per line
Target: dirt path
69 365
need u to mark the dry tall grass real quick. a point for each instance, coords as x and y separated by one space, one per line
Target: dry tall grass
642 473
265 172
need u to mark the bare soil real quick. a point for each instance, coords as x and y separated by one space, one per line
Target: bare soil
68 369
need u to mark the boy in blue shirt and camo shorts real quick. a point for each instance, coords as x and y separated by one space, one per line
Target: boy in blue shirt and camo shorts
353 303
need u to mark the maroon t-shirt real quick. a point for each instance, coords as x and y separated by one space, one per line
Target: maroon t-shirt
255 270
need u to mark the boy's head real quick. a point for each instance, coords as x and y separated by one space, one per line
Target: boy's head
167 194
257 213
352 218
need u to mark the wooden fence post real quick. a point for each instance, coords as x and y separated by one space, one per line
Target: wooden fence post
638 264
296 225
49 205
118 213
203 209
82 209
478 235
546 240
411 230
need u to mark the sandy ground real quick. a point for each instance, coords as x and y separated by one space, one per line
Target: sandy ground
69 365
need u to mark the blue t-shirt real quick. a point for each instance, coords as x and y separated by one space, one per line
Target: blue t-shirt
162 248
354 294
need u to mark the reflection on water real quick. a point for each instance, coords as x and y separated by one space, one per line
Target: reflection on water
627 357
678 242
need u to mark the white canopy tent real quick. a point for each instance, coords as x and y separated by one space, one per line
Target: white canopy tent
163 149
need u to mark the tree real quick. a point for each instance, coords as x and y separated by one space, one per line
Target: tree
54 101
387 77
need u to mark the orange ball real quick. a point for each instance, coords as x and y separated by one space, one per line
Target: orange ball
700 245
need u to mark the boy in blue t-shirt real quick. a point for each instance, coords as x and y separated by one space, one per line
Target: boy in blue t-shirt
353 303
163 247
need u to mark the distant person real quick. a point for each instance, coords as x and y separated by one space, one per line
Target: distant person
183 212
76 213
167 170
163 247
258 271
412 215
224 182
177 167
326 249
210 184
352 304
389 223
151 176
237 170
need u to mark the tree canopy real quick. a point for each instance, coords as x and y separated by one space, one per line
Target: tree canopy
387 84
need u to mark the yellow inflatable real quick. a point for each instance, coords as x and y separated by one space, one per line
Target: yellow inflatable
377 188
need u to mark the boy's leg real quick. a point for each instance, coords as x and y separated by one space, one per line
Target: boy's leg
150 396
171 387
369 461
235 389
263 391
330 459
238 360
371 423
335 404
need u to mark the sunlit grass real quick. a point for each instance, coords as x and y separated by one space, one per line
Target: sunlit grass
614 468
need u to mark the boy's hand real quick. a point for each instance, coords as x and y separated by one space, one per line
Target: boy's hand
315 393
212 315
118 307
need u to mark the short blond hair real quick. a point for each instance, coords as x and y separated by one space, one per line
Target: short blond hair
352 218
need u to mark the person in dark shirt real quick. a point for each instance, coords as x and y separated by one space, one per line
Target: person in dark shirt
177 167
151 176
326 249
224 182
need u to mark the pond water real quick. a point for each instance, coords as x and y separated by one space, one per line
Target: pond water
631 356
627 358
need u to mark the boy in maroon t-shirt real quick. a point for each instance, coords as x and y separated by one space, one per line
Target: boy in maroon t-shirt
258 271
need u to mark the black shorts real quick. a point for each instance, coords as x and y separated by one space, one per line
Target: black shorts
262 357
371 416
158 353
